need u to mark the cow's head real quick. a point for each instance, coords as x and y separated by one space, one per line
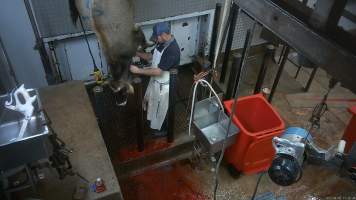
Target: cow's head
120 83
120 64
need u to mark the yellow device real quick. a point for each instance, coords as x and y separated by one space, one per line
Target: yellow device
98 76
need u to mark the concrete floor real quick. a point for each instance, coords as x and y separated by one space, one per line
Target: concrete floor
186 180
317 182
295 107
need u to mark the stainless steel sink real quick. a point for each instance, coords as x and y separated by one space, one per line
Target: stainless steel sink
32 146
212 124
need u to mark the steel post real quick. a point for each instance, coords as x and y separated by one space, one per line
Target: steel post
236 60
245 53
214 33
171 104
282 53
311 78
279 73
137 84
230 38
270 49
40 46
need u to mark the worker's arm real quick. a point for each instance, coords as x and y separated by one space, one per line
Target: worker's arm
147 71
144 55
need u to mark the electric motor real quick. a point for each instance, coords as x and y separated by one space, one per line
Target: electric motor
285 170
286 167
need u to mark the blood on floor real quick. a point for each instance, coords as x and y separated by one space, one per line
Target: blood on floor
172 182
131 152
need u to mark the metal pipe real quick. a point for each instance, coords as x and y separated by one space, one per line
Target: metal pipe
279 73
245 53
297 73
282 53
222 31
311 78
230 38
262 74
214 33
171 104
137 84
232 78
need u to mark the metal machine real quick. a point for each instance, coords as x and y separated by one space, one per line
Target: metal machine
27 142
22 131
296 145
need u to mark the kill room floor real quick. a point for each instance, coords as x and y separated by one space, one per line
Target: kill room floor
186 180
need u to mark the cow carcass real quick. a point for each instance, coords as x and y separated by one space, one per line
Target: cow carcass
113 23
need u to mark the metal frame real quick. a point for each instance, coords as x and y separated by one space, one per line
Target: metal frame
214 34
231 23
334 59
48 68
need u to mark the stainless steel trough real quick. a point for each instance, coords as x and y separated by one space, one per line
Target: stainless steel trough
211 123
33 146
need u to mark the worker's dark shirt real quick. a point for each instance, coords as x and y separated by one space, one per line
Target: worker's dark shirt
170 57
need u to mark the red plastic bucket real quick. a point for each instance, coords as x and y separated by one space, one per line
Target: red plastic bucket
259 122
350 131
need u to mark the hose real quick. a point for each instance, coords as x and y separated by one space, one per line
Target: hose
206 83
87 42
257 184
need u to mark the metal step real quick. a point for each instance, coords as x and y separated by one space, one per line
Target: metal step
181 149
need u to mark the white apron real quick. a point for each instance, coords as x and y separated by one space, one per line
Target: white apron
157 94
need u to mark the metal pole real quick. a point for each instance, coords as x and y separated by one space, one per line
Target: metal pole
214 33
137 84
262 74
282 53
298 70
222 30
40 46
230 38
98 92
232 78
171 104
306 89
245 53
13 82
279 73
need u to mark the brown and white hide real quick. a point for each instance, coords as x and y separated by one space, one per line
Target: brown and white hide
113 23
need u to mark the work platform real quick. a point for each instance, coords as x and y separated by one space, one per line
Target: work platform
73 119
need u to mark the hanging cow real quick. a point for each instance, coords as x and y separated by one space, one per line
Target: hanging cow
113 23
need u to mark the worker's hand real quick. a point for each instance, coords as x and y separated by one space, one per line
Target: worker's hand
139 53
199 76
134 69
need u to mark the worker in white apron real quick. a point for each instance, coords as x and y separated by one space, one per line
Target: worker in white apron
165 56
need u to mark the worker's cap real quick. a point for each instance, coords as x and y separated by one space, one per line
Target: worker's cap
159 28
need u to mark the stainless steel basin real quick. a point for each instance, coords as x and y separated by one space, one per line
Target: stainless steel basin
212 124
31 147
